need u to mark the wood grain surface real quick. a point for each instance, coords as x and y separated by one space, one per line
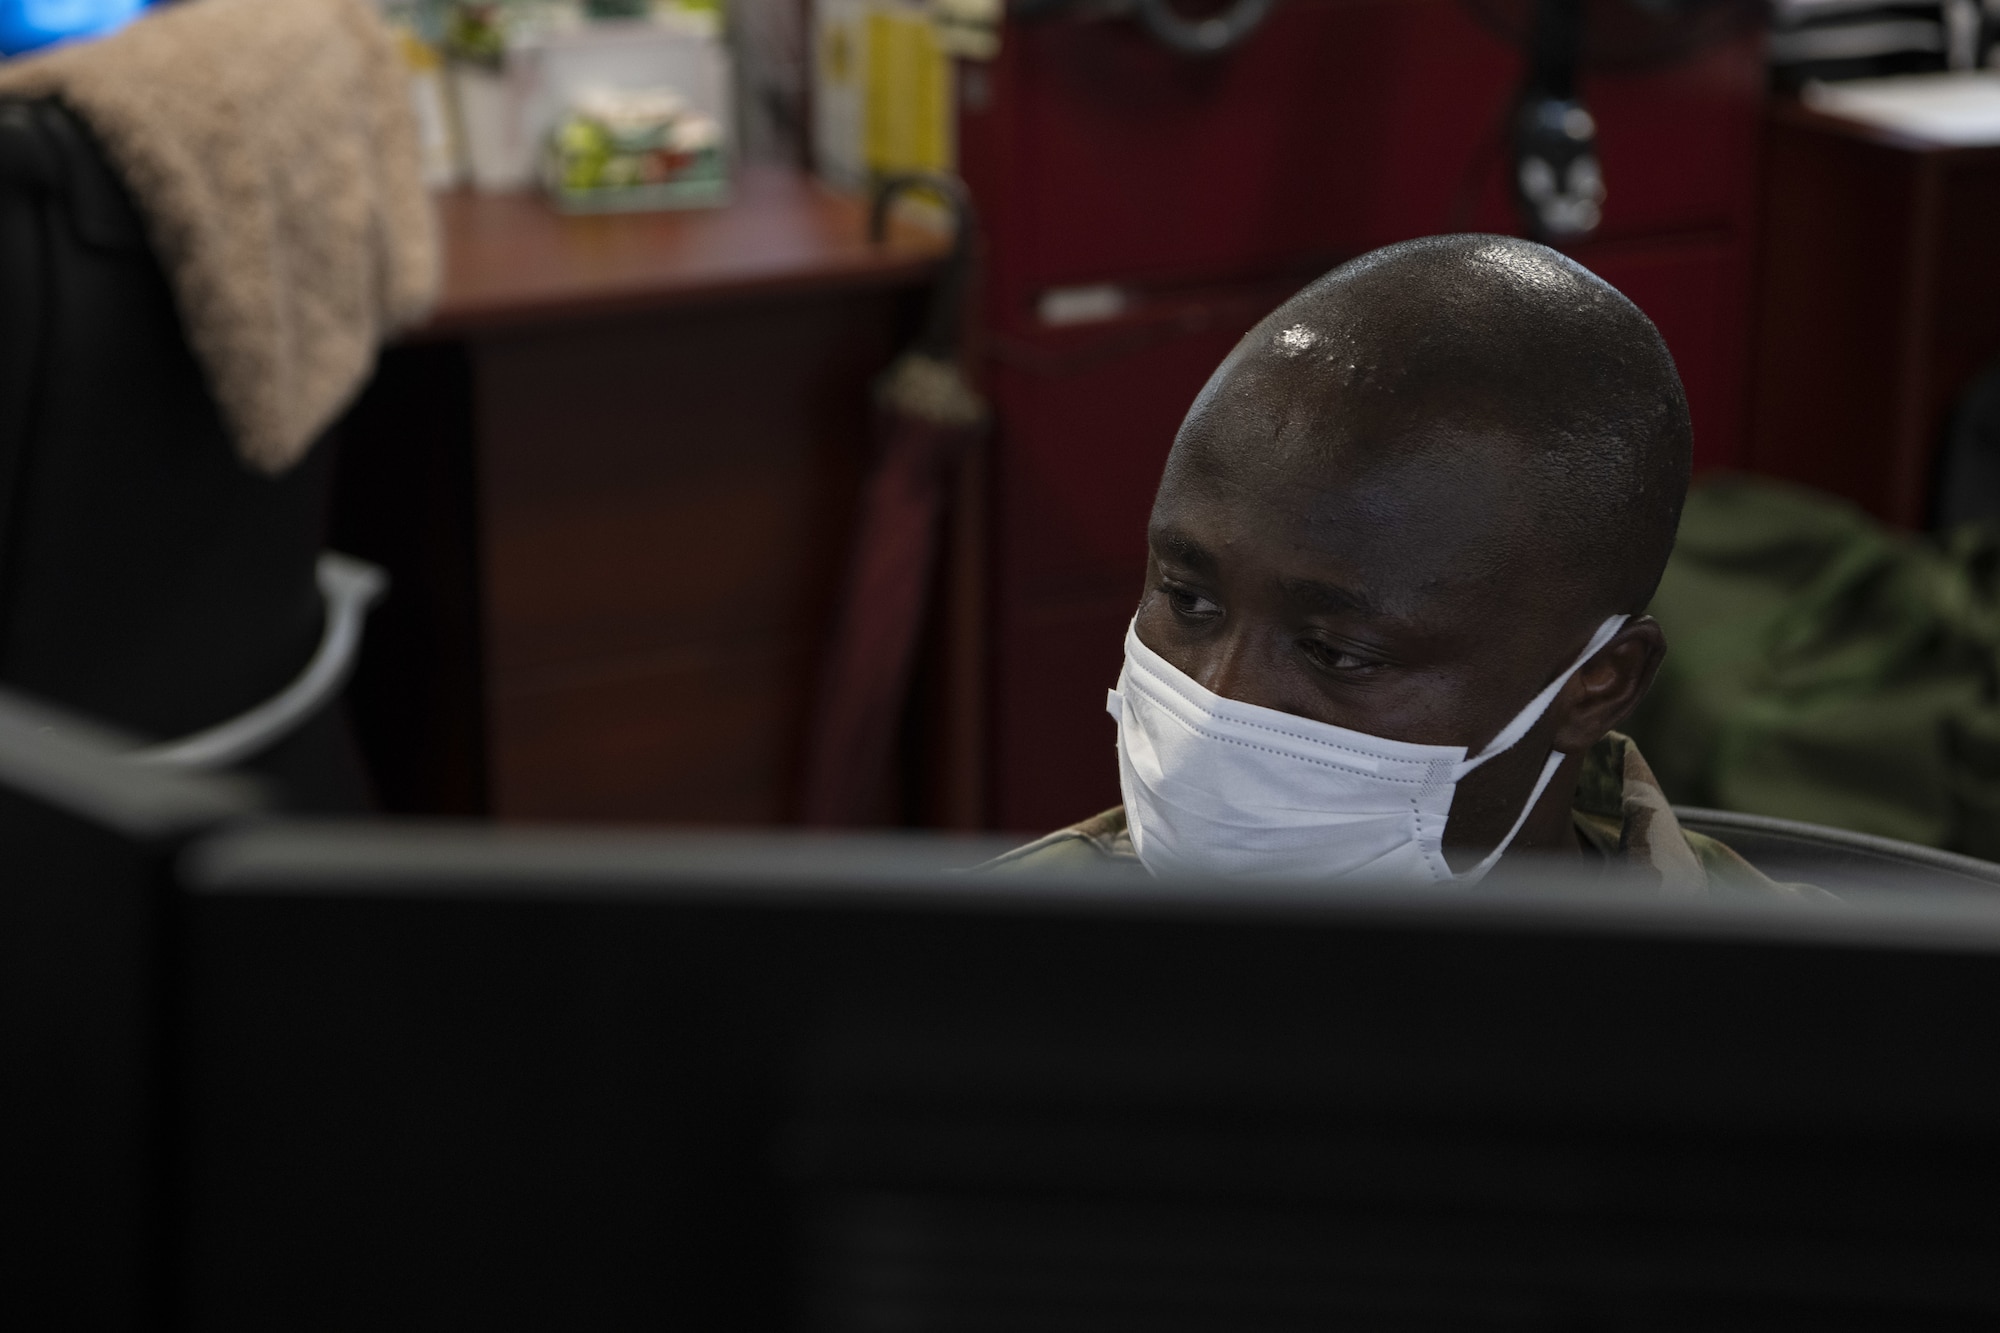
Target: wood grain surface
612 481
511 260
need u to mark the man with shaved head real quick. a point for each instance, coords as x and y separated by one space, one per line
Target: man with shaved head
1396 590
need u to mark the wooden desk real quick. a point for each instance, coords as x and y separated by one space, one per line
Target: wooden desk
513 262
1879 299
611 479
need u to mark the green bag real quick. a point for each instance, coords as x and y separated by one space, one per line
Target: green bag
1823 667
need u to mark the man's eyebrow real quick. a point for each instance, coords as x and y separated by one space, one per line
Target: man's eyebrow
1317 596
1184 550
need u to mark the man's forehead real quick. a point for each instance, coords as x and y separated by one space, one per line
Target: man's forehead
1321 473
1406 529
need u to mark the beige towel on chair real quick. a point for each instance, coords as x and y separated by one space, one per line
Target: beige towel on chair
271 147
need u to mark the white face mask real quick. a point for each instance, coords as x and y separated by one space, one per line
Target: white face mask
1213 786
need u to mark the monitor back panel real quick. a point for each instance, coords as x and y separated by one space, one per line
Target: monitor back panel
707 1106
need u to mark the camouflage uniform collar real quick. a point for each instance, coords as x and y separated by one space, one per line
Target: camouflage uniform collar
1621 811
1623 814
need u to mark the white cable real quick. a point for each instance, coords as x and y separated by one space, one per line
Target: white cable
349 587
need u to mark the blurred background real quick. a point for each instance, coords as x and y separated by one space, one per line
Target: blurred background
687 493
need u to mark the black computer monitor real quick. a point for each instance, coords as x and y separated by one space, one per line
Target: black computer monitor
342 1075
474 1079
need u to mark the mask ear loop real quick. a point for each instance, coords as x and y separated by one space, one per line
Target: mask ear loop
1478 872
1530 715
1519 727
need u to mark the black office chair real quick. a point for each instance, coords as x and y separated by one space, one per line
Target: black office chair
147 577
1836 859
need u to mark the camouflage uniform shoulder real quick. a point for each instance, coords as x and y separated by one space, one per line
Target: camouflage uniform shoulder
1729 873
1617 794
1101 840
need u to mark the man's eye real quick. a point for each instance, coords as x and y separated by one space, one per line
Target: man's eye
1329 658
1189 605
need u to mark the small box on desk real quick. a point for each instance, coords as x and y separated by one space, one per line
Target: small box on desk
521 80
622 151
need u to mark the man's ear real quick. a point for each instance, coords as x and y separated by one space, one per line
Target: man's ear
1609 686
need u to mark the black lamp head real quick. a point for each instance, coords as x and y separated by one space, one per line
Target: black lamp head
1557 179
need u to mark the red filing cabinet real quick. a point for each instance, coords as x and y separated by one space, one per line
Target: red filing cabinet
1877 303
1198 194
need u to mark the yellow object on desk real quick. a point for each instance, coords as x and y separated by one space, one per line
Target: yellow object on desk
883 91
